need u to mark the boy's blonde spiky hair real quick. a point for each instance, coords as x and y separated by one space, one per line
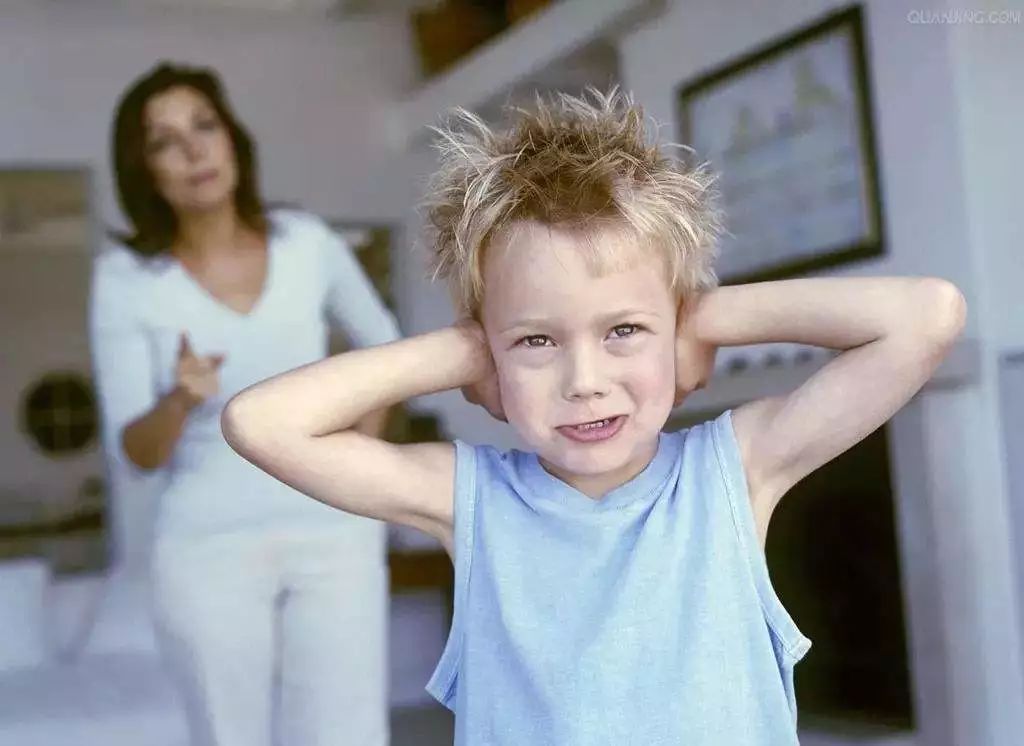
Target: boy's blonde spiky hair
578 163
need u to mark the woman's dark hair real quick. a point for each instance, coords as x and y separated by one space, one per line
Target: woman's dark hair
154 222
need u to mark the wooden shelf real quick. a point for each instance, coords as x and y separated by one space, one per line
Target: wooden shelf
528 54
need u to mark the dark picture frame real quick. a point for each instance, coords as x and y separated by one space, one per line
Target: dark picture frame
788 130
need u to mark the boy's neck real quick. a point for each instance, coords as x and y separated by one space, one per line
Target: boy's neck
596 486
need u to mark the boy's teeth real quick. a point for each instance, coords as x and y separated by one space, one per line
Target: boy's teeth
592 425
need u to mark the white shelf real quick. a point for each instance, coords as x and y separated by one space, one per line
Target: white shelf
960 367
525 54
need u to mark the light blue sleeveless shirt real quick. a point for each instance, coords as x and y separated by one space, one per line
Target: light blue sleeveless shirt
646 617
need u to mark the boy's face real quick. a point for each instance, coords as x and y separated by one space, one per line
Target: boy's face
573 348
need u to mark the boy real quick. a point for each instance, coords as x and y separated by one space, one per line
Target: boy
611 586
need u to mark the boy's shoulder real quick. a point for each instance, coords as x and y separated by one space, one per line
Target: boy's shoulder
703 450
493 456
703 430
510 456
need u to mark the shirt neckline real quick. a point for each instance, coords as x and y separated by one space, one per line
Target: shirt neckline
265 291
546 485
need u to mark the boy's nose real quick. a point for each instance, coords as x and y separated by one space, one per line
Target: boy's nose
583 379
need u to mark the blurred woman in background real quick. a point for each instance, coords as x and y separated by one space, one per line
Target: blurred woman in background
271 607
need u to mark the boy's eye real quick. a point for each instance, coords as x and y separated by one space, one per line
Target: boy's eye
535 340
624 331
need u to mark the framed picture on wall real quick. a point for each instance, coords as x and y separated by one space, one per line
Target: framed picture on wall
787 129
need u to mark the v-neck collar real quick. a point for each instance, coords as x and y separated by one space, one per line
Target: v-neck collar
211 299
643 485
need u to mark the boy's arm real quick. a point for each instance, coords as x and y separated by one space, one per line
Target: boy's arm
894 332
300 427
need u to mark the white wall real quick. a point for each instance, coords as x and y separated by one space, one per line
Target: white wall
312 93
990 64
987 57
932 221
947 117
947 122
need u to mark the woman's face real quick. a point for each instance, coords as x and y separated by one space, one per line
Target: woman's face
189 151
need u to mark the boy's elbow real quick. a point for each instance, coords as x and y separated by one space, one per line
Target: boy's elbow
238 424
254 428
934 317
950 309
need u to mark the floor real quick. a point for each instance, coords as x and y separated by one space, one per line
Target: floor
431 726
434 727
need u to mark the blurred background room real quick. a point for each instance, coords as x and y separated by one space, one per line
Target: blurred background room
890 133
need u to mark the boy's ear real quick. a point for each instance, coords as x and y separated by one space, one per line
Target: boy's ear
684 304
476 313
688 301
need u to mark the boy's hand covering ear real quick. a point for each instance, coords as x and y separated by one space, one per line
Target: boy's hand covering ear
484 391
695 360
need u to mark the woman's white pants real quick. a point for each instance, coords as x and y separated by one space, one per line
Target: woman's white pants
277 637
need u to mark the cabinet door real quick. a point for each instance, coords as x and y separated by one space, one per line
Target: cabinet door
51 467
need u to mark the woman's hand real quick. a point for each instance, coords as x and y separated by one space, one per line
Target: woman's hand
196 378
484 391
695 359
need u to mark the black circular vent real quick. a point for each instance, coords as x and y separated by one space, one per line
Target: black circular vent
60 413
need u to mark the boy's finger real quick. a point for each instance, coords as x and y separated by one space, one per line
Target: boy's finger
184 346
216 360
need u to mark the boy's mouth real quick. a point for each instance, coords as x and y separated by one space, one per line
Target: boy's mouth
595 430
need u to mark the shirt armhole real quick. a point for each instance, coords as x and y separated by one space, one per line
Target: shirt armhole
443 683
730 466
